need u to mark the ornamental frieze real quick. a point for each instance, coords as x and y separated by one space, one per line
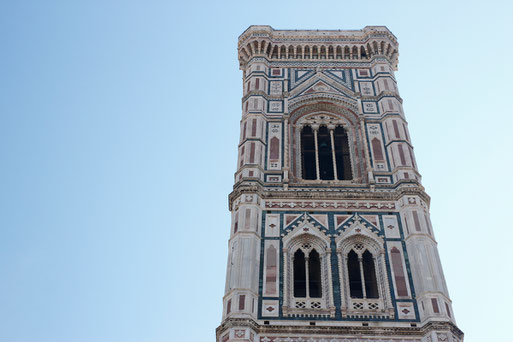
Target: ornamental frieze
320 205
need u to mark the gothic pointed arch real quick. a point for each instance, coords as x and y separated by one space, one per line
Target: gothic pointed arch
362 268
307 270
330 143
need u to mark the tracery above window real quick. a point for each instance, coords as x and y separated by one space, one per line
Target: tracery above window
307 272
365 290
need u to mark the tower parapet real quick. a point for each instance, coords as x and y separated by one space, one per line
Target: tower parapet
312 45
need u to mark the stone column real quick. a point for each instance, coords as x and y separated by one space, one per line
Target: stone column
362 275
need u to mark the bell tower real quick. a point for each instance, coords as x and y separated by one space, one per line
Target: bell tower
331 238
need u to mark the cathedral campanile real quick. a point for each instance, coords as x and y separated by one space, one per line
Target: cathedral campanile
331 239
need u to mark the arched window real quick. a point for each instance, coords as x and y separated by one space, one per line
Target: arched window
325 153
358 267
369 274
363 272
355 52
307 52
314 275
299 52
339 53
363 52
306 272
355 277
299 274
342 154
308 153
347 52
307 275
282 51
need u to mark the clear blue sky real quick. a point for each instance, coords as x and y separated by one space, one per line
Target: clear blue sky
119 122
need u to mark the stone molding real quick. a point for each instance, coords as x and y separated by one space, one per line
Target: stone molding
332 331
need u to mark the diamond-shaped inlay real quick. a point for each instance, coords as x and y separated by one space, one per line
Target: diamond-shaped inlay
272 225
390 226
270 309
405 311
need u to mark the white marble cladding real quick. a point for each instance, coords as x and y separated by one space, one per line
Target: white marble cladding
329 80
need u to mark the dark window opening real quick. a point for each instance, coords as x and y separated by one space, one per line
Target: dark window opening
342 155
314 275
369 274
308 153
355 278
299 274
325 154
315 52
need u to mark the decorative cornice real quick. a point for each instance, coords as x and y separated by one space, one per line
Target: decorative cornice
332 331
362 194
350 36
321 45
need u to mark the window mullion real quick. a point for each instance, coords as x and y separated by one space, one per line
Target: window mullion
360 261
307 277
